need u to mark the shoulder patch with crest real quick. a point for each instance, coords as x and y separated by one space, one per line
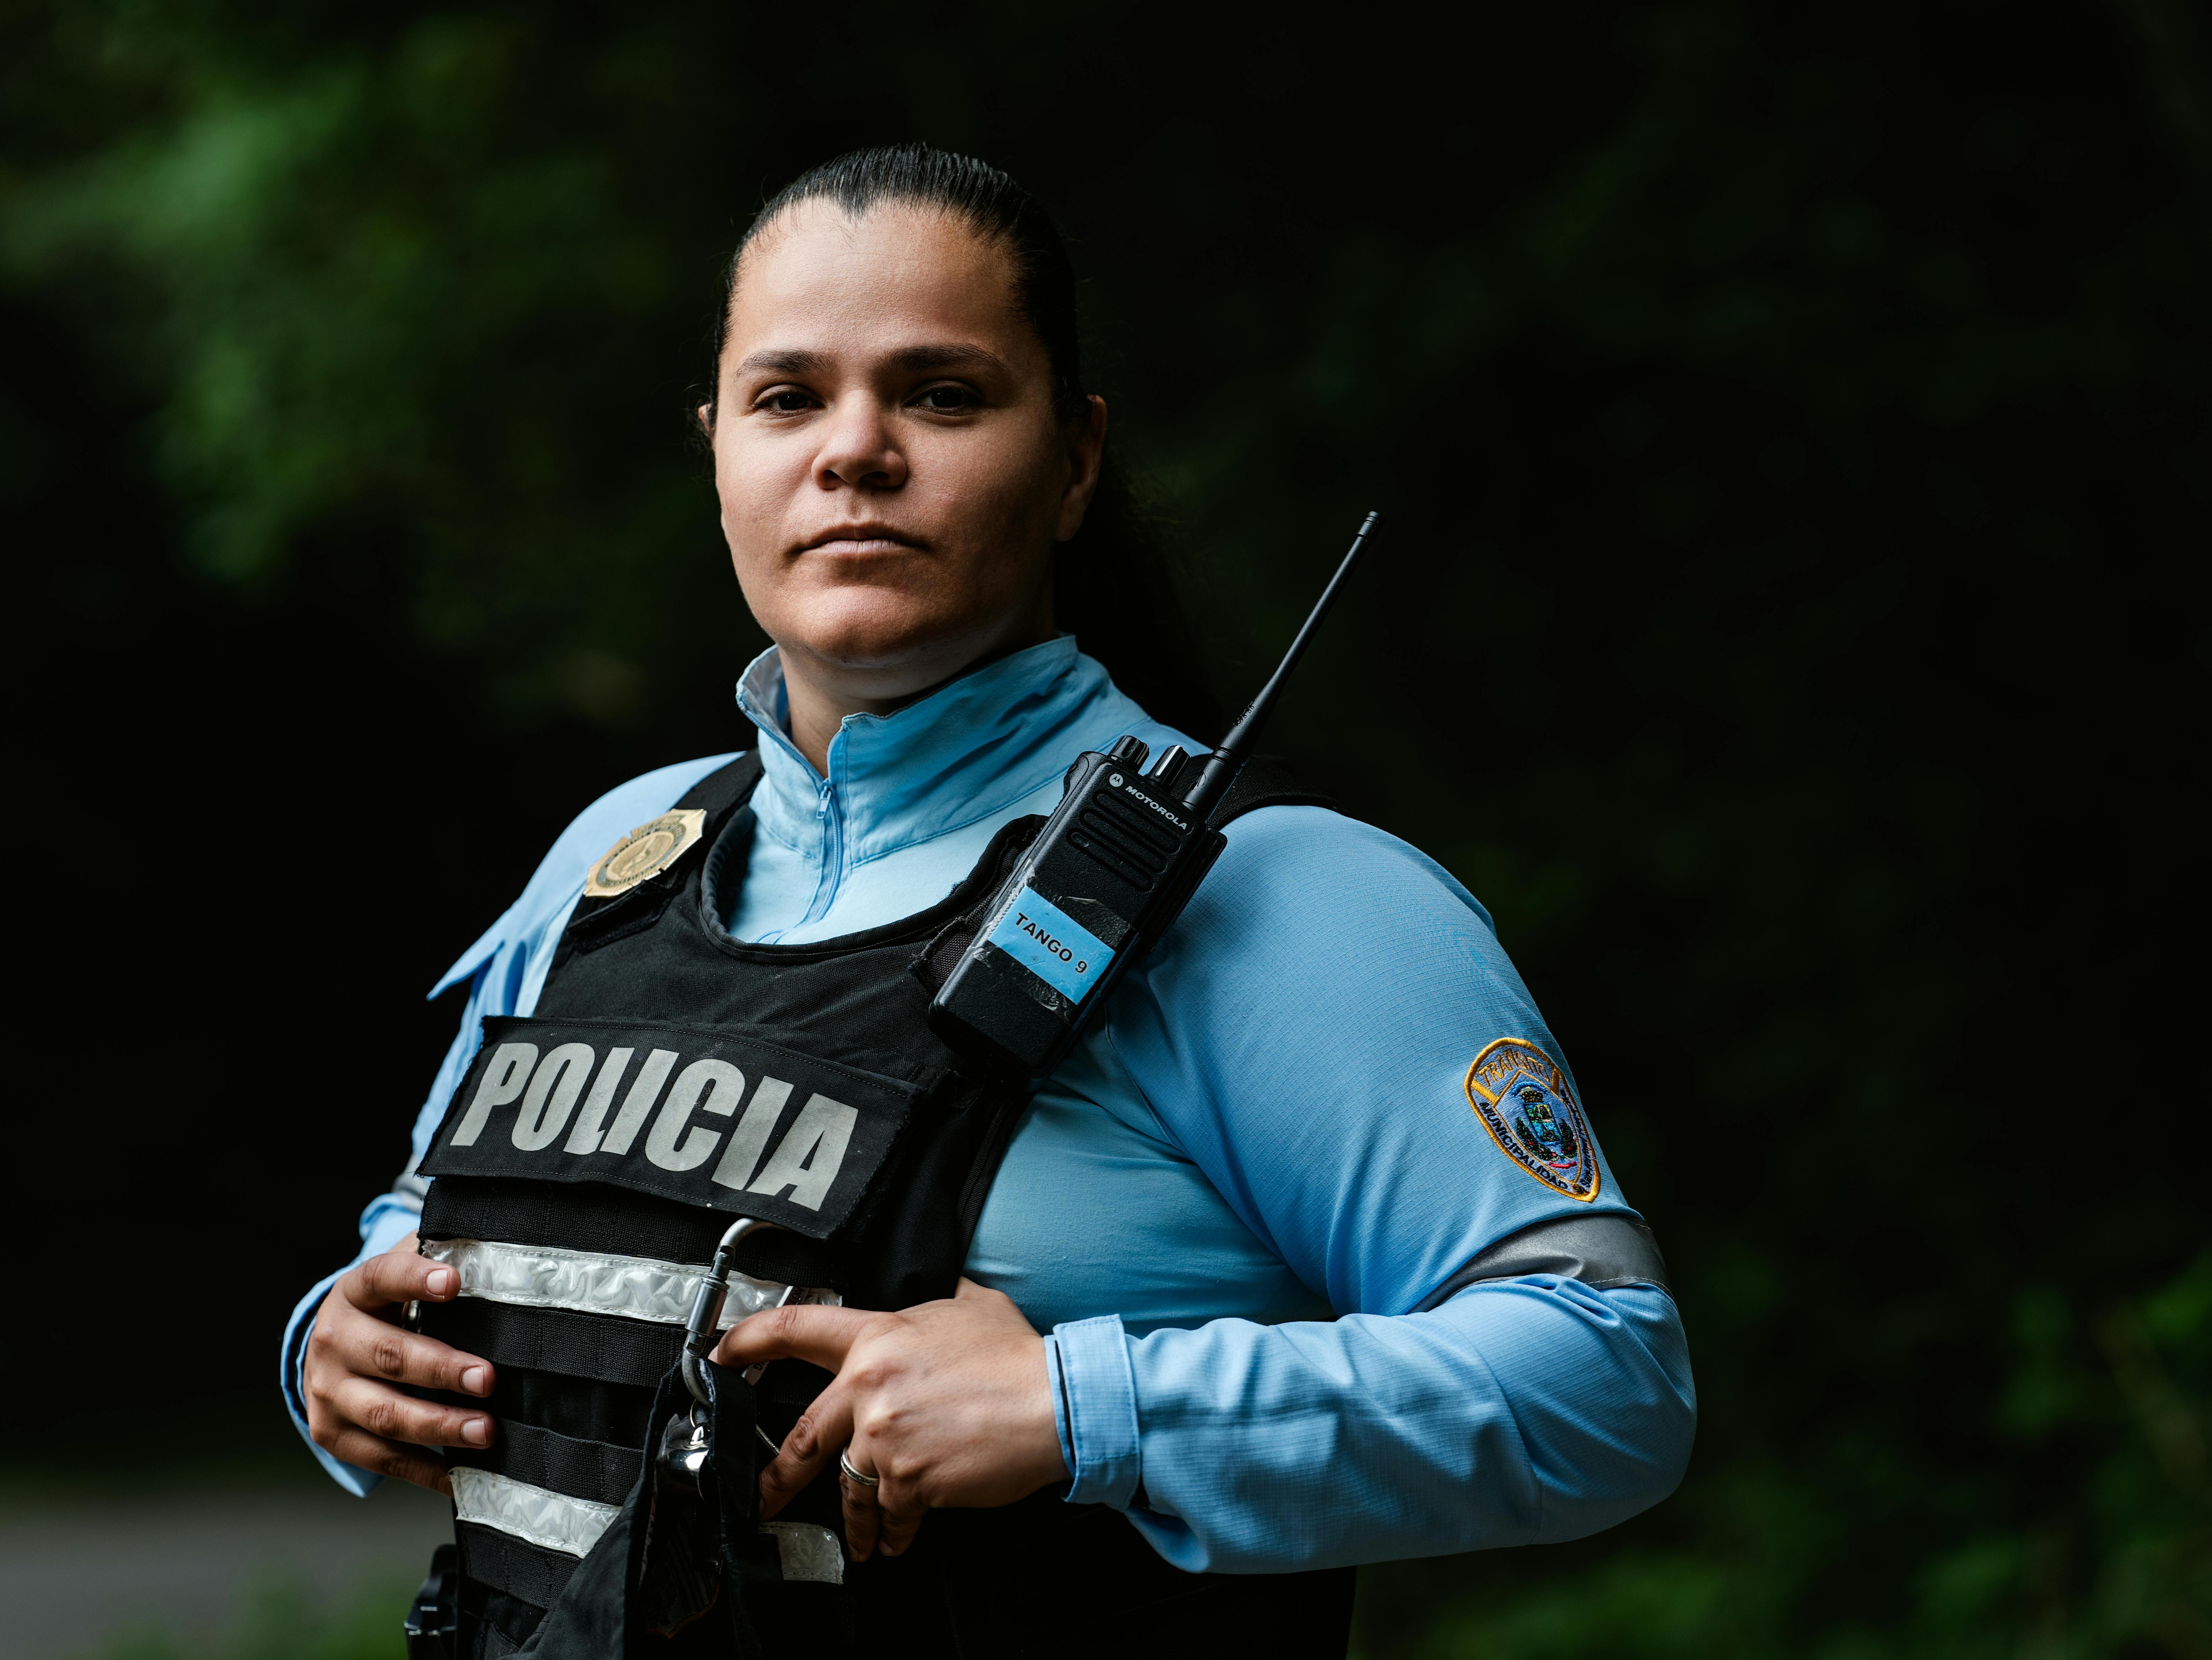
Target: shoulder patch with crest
646 851
1521 1094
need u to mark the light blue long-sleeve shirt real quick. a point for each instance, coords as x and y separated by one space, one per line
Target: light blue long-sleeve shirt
1232 1204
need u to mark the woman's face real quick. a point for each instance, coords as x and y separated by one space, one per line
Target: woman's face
892 472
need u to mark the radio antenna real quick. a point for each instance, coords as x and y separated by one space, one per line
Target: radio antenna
1221 767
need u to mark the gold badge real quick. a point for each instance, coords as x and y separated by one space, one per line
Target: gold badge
1521 1095
646 851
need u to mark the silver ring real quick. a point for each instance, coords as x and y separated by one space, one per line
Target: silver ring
845 1467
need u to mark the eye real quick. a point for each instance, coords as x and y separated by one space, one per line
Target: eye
784 400
948 399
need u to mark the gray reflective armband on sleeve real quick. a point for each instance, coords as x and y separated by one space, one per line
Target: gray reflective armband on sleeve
1604 1252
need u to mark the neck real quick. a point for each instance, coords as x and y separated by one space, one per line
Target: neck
822 691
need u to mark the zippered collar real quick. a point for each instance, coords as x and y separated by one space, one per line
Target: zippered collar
970 749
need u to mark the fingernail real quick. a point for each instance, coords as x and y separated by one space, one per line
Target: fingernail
441 1281
477 1431
473 1380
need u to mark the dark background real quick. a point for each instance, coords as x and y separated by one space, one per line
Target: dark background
1794 421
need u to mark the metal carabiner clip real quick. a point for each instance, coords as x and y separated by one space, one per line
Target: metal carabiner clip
684 1445
702 1330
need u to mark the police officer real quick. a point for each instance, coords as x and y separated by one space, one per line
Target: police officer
1306 1256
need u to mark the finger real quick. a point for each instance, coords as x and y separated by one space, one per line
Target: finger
366 1451
370 1347
386 1412
400 1276
804 1331
822 1430
863 1515
900 1506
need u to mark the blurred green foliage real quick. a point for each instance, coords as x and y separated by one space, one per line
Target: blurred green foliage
1795 427
364 300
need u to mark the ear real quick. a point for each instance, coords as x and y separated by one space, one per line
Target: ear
1086 455
707 418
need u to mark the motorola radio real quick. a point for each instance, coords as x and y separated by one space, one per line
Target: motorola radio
1107 875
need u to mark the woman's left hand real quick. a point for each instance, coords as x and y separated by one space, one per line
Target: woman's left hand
947 1404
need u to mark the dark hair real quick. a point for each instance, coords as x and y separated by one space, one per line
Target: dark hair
1111 583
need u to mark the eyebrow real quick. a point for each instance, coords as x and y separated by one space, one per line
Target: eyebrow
913 359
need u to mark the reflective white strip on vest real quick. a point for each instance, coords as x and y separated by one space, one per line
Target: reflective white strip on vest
537 1514
635 1288
804 1550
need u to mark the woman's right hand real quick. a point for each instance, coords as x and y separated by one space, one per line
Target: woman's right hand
358 1351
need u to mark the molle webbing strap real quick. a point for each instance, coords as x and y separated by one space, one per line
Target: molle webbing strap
599 1472
503 1562
583 1409
604 1346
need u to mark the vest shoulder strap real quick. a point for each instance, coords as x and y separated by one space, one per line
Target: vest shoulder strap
1265 781
725 787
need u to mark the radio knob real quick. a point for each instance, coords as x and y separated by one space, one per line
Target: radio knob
1130 751
1170 757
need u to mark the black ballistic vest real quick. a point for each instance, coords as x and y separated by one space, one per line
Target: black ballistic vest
672 1079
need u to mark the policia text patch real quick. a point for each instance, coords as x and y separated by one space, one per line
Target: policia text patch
691 1114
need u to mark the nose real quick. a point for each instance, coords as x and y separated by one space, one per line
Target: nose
860 450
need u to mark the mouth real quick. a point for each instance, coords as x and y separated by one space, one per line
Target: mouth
861 540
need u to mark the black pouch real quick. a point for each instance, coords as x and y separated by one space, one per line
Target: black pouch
679 1572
